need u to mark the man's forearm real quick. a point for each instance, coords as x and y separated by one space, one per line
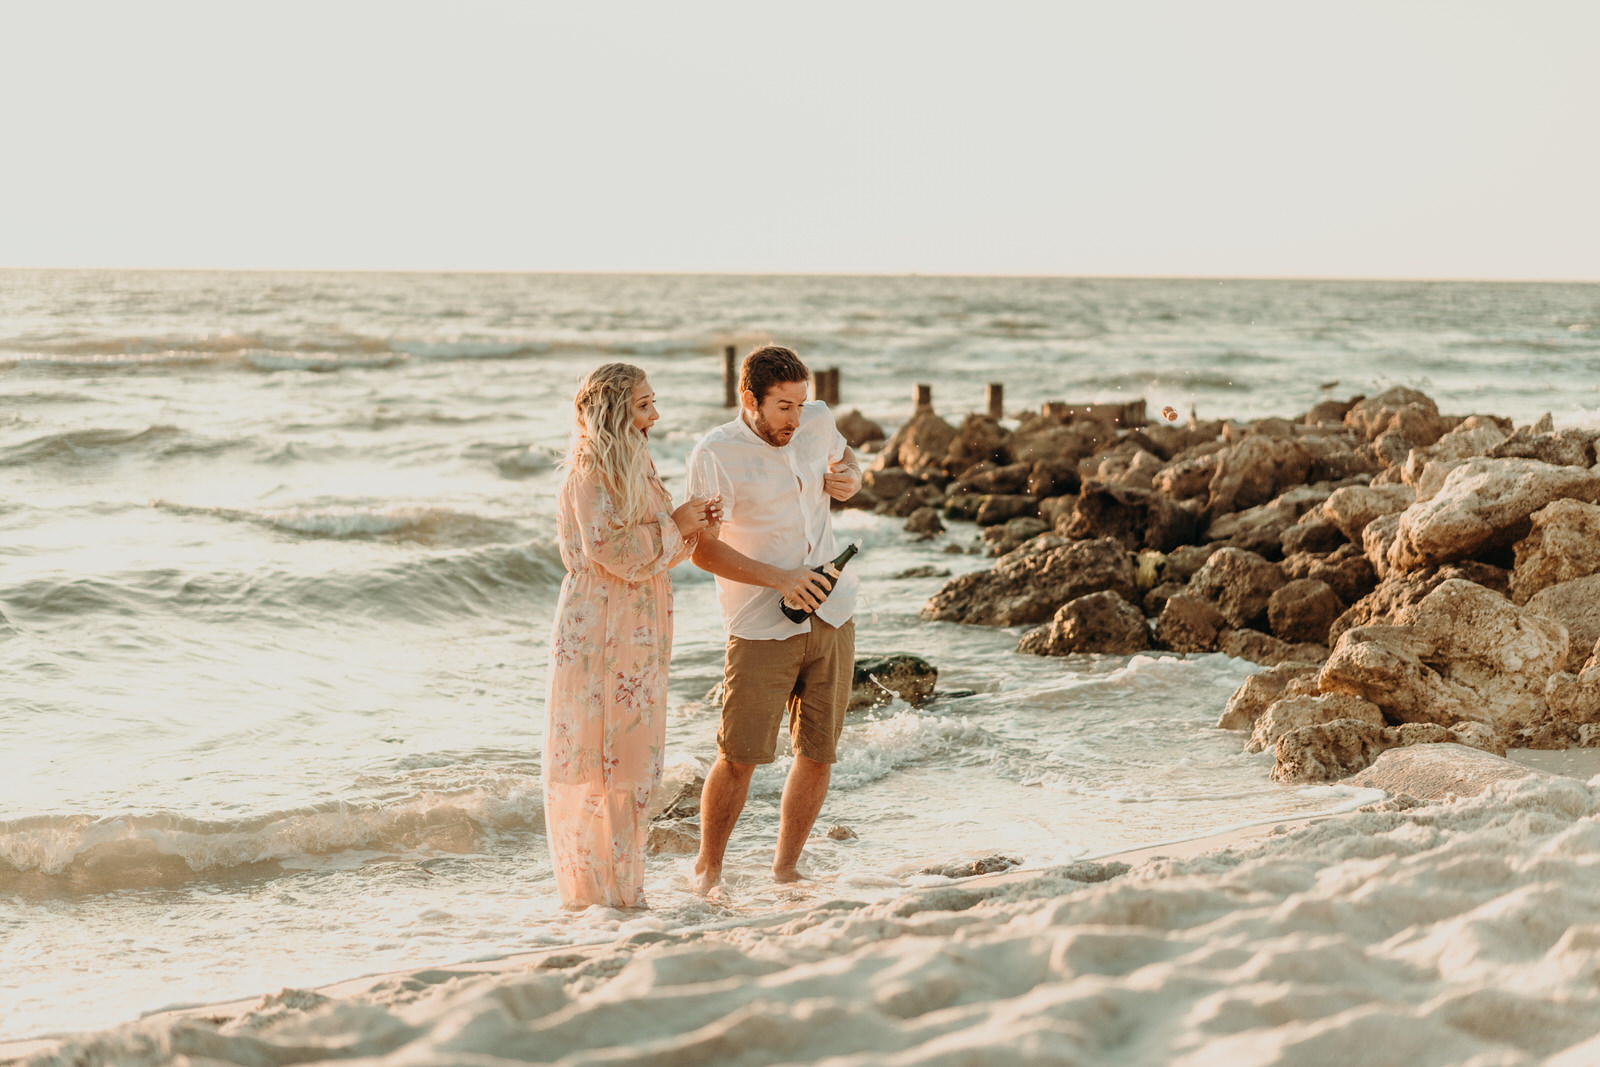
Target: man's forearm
726 562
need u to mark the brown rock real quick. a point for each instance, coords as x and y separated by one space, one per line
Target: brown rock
1312 533
1240 584
1330 412
1383 603
1302 611
879 679
1135 518
890 483
1346 570
1292 712
912 500
1011 479
979 439
1026 587
1409 413
1269 651
1188 624
1156 600
1563 544
672 837
1254 471
1013 535
1188 477
1564 448
924 522
920 446
1057 510
1049 477
857 429
997 508
1099 622
1352 507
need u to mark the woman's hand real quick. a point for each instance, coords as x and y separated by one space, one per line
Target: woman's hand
695 514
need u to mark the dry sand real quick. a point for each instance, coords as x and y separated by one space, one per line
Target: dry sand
1455 923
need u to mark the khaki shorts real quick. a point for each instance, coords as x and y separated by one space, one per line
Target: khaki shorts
807 675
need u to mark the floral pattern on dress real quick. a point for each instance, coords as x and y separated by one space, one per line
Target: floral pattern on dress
605 729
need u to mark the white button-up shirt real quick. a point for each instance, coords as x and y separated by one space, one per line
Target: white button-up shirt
774 511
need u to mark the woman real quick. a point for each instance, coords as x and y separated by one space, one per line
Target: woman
613 636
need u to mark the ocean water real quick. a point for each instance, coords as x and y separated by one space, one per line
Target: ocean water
277 572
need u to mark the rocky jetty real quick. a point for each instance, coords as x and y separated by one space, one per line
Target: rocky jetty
1410 576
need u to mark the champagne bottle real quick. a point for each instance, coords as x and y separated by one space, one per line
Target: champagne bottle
829 570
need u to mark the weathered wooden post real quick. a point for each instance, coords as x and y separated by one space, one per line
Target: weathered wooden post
995 395
730 377
825 386
924 396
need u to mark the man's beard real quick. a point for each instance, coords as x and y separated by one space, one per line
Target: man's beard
764 430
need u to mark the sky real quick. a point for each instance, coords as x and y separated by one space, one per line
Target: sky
1393 139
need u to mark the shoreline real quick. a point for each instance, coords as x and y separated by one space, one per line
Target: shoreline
1472 773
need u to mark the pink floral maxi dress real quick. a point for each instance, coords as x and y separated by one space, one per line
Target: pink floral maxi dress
606 725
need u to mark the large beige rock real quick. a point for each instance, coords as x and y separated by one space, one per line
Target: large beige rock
1464 653
1437 772
1264 688
1484 505
1575 605
1027 586
1475 436
1239 583
1383 602
1353 506
1292 712
1564 544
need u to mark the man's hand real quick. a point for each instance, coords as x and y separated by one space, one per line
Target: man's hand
843 479
803 586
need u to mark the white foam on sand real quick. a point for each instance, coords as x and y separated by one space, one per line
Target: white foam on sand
1457 933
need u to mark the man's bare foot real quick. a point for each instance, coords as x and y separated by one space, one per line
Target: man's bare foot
706 877
786 874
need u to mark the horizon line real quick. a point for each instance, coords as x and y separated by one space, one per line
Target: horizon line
828 274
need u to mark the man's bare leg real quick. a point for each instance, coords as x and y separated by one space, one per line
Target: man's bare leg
803 794
721 801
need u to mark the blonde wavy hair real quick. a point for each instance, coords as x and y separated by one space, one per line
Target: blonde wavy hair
606 445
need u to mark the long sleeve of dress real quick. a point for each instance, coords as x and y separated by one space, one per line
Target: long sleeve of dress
631 552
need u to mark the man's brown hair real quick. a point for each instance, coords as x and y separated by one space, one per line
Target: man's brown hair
770 365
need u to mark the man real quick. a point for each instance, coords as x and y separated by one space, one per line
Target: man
774 468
